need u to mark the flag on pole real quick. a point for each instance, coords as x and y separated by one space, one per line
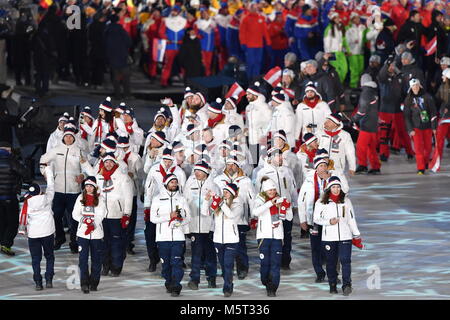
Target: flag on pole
235 91
273 77
431 47
435 164
159 48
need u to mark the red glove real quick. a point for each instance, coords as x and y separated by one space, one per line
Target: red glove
284 206
253 224
357 242
147 215
129 127
216 202
90 226
125 221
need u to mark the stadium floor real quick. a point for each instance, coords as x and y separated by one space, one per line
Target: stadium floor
404 220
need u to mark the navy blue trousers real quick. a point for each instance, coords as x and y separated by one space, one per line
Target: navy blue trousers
171 253
254 60
37 245
114 244
202 244
226 254
317 253
63 204
270 251
241 253
150 241
131 229
287 243
95 249
343 251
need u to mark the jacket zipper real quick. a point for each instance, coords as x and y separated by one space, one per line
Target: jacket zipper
337 213
171 209
223 218
65 171
106 204
199 208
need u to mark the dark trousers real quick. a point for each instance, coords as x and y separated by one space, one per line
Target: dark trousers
317 253
226 254
95 249
63 204
114 243
37 245
9 221
202 244
132 225
171 253
270 256
241 252
97 71
343 251
287 243
121 76
42 79
150 236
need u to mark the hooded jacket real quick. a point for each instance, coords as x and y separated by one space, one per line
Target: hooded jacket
416 107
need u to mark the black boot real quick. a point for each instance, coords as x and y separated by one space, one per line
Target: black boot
333 288
347 290
320 278
383 158
58 244
242 274
115 272
168 288
152 267
175 290
105 270
212 283
374 171
48 283
84 285
39 286
73 248
361 170
193 285
93 284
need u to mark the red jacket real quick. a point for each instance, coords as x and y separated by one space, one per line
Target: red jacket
130 25
253 31
278 36
426 17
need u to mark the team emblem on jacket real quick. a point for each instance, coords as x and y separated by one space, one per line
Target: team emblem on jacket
327 247
192 238
79 248
261 256
217 250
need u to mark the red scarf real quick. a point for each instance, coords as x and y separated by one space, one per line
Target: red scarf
129 127
332 134
99 130
89 200
112 125
273 209
213 122
335 198
310 153
311 102
163 172
84 134
127 155
316 186
107 174
23 216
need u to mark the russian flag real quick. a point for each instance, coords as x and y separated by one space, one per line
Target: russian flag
235 91
273 77
431 47
159 48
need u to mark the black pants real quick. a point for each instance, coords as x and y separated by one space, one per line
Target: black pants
41 82
63 204
94 248
37 245
9 221
121 77
132 226
97 71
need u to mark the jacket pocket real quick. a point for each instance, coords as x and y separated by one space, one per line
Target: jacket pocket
234 230
120 206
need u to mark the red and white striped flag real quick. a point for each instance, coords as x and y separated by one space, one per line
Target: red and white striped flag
435 164
290 93
431 47
273 77
235 91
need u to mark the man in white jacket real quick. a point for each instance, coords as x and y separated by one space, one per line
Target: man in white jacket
311 112
135 133
65 161
55 137
283 117
116 188
286 188
170 212
234 174
200 227
338 143
258 115
354 43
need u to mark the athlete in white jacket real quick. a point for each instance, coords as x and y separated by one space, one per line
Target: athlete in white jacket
226 210
170 212
269 237
65 161
89 212
36 221
334 211
56 136
283 117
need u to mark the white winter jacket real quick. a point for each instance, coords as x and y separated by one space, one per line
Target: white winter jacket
195 192
98 213
246 193
65 161
330 43
261 210
306 115
225 220
340 148
306 196
286 186
136 137
134 166
40 222
165 203
283 118
258 115
55 139
346 229
117 194
354 37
